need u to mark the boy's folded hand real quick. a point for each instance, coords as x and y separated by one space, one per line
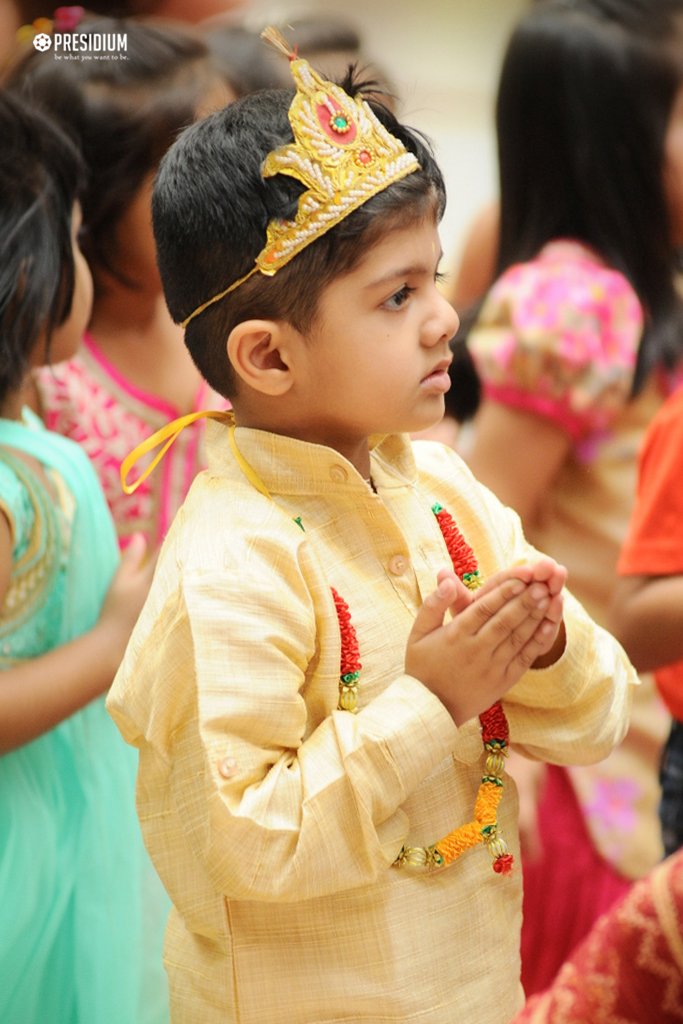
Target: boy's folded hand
494 635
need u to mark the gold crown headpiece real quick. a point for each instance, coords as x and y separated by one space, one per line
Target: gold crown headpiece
341 152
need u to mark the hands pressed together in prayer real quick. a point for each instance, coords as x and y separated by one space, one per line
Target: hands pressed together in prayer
512 623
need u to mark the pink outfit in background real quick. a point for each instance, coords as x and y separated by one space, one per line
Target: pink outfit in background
88 400
559 336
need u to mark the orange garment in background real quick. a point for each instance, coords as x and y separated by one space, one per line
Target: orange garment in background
654 545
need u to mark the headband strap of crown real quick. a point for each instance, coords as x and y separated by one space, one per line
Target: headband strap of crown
341 153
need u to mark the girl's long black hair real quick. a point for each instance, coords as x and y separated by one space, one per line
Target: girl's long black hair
41 174
584 100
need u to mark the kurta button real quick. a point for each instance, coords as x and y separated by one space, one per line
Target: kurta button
398 565
227 767
338 474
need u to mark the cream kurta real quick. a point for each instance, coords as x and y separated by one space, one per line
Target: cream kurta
273 818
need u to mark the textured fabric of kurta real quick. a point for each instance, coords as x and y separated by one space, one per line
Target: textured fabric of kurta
272 817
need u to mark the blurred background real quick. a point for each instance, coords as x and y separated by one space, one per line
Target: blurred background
441 58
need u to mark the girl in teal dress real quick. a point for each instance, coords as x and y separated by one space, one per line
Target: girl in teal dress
80 934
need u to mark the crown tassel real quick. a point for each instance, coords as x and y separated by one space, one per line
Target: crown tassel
273 36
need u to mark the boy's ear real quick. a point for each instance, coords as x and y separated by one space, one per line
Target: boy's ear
260 354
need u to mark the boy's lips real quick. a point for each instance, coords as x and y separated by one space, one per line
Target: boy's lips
438 378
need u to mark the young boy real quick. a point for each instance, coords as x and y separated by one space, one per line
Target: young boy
314 787
648 605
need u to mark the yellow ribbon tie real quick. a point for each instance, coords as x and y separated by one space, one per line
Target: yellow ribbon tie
165 437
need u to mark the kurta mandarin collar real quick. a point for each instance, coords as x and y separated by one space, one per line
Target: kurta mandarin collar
288 466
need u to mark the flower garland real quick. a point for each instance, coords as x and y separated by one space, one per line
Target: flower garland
494 728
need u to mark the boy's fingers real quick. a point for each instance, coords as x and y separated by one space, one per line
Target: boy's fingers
463 598
555 608
487 606
518 572
523 643
550 572
517 621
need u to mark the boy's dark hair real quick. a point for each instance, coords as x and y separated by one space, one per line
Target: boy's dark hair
123 114
211 207
40 176
584 100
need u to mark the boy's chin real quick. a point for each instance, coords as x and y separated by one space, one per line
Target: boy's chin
445 430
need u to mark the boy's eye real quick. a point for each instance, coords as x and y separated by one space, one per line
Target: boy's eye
399 298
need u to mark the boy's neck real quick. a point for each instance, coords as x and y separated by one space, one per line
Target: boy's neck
357 451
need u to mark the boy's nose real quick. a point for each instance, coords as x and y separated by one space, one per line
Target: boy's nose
453 321
446 321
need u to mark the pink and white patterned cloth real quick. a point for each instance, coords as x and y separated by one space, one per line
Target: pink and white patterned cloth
87 399
559 336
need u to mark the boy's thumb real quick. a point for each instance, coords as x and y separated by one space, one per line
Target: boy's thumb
431 614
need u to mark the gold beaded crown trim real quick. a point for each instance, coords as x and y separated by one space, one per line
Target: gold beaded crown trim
341 152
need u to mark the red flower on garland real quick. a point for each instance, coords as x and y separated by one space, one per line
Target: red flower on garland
350 652
503 865
494 725
462 555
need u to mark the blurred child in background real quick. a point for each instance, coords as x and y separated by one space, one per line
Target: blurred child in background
577 345
132 373
74 944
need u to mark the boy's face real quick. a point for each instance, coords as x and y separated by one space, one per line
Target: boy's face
377 357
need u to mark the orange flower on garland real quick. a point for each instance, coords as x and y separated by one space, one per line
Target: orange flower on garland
494 729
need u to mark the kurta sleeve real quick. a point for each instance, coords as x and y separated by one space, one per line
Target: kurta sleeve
559 337
576 710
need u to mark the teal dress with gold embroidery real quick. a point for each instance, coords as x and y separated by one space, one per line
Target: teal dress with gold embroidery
81 912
